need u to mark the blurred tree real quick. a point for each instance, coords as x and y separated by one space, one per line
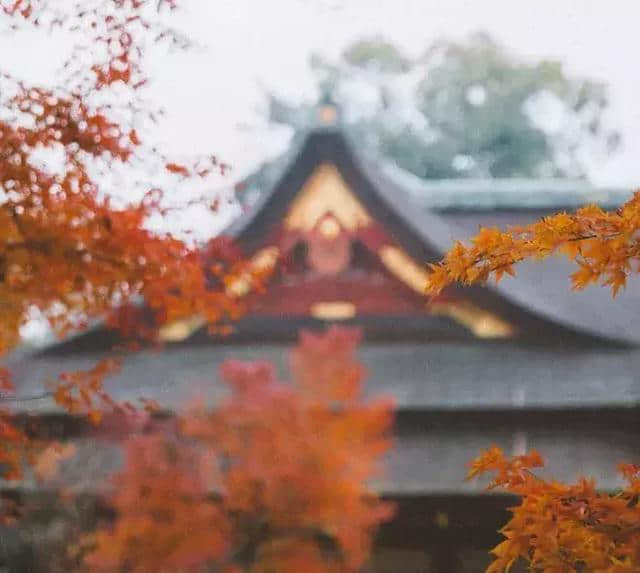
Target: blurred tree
275 479
462 109
67 254
66 251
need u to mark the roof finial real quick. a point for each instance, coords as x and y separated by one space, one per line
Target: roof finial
328 113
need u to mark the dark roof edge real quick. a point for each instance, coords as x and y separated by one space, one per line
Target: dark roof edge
425 235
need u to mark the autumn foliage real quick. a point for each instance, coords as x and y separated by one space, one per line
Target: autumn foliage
604 245
68 255
275 479
557 527
65 251
562 528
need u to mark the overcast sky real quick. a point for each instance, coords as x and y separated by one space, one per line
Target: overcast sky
214 95
253 43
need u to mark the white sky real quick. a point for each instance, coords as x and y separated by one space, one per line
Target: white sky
213 95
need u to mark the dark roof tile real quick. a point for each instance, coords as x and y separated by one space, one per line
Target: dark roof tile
458 375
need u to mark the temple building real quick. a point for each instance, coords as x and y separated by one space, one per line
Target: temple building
523 364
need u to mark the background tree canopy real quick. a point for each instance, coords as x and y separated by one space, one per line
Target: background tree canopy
462 109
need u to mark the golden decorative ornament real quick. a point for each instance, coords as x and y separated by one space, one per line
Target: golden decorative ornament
336 310
325 192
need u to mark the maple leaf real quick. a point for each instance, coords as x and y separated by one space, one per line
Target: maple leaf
133 137
560 527
177 169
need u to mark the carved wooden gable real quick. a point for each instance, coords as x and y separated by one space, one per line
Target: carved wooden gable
336 261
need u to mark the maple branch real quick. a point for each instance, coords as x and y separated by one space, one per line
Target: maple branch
601 243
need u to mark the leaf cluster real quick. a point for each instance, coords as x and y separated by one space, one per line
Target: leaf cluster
275 479
603 244
67 254
563 528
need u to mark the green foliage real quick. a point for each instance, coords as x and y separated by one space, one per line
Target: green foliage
462 109
378 54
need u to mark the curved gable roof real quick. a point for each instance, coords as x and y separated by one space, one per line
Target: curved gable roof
331 146
544 287
540 294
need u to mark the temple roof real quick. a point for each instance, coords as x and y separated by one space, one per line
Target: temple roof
452 400
453 375
571 396
503 194
427 217
425 461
